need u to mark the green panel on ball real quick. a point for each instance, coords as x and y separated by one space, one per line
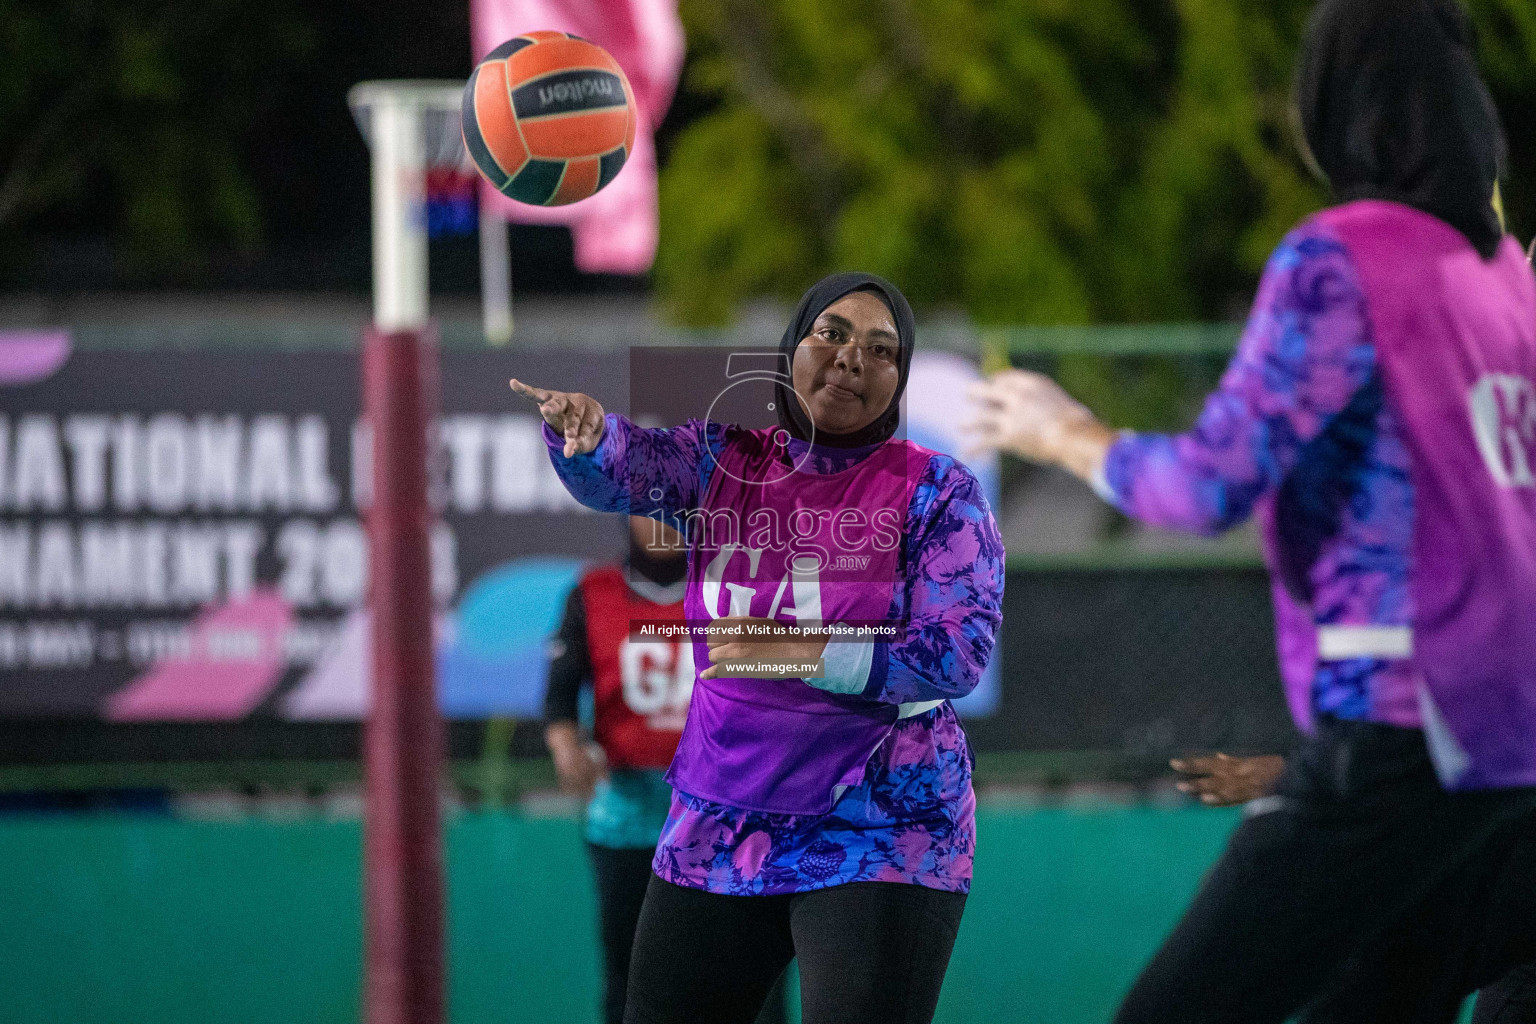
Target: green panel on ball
475 142
610 166
536 182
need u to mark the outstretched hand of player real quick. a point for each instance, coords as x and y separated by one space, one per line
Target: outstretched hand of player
576 417
1223 780
1030 415
746 638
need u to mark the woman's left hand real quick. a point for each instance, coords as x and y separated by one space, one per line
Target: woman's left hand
1030 415
1224 780
747 638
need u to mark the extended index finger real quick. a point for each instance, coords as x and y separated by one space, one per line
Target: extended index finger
536 394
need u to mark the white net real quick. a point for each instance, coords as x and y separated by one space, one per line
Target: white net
449 176
438 102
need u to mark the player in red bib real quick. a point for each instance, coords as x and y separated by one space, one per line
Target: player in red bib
614 638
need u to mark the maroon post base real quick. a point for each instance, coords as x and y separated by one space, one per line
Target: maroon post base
403 742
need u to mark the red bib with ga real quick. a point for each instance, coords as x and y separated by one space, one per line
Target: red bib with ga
641 685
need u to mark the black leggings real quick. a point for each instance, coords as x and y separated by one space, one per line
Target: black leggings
621 877
868 952
1511 1000
1364 894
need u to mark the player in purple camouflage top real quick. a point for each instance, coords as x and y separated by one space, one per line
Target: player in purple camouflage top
869 885
913 818
1388 875
1297 432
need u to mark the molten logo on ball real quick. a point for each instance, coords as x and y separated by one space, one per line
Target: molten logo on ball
575 94
549 118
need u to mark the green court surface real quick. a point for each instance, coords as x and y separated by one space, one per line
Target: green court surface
144 920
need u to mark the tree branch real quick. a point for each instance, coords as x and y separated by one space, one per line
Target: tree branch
13 188
746 40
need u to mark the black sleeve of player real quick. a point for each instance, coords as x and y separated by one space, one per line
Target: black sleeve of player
569 663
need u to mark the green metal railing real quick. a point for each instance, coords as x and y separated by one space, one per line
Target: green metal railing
1115 340
509 780
1017 341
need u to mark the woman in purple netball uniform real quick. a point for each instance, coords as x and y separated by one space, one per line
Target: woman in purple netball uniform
1379 418
823 807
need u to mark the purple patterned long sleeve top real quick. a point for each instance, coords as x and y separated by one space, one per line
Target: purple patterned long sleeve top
912 818
1299 432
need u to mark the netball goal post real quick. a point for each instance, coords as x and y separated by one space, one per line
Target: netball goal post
410 127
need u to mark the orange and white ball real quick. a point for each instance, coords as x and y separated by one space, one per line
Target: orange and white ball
549 118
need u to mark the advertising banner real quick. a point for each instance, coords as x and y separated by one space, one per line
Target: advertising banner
180 534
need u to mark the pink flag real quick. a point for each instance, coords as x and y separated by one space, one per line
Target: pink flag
615 230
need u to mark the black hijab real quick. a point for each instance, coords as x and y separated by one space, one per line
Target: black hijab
812 304
1392 107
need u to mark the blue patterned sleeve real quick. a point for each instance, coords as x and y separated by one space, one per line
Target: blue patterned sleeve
1305 352
661 472
952 599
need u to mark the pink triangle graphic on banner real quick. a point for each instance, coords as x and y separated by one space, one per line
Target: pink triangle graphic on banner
339 686
614 231
29 356
234 658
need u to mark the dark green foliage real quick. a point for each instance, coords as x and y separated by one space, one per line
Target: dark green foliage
132 117
1026 160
